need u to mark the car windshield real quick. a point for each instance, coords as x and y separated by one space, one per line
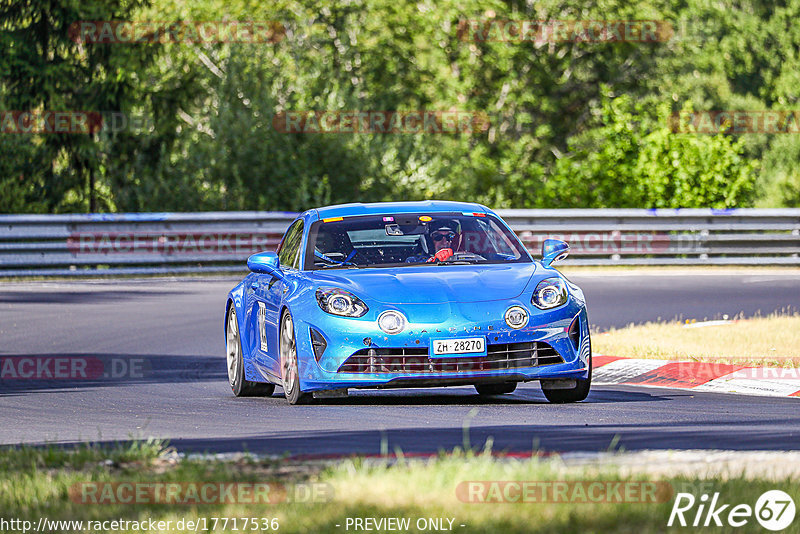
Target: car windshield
411 239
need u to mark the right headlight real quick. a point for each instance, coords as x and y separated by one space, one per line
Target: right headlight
340 302
550 293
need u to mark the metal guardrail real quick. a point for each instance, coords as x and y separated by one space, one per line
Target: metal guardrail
165 243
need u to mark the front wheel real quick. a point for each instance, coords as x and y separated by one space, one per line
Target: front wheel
576 394
289 368
235 361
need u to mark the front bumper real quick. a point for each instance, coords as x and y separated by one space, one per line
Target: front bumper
345 337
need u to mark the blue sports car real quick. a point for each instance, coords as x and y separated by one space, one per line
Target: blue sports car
406 294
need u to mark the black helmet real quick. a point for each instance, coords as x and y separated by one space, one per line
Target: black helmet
442 226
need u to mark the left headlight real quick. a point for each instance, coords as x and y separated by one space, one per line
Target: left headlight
550 293
340 302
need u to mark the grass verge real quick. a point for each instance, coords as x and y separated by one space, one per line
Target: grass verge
568 269
761 341
37 483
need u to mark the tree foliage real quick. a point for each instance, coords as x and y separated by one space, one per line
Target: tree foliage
633 159
570 124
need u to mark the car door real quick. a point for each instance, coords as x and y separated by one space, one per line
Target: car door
268 292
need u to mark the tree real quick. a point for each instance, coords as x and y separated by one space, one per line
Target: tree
45 69
634 159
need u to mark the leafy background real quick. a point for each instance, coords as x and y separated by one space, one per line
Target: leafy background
572 124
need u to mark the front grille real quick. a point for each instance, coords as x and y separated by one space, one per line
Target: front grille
499 357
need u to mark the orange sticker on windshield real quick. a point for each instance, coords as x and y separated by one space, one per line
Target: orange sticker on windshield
425 218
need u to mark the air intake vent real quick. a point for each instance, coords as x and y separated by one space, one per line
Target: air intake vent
319 343
575 332
415 360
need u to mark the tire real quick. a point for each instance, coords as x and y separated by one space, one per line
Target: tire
576 394
235 361
290 373
496 389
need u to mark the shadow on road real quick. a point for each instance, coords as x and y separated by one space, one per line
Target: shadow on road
26 373
588 437
463 396
80 297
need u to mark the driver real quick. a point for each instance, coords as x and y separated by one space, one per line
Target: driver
440 237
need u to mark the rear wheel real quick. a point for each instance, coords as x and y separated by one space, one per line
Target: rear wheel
289 368
496 389
235 361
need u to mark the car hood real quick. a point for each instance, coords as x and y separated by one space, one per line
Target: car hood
432 284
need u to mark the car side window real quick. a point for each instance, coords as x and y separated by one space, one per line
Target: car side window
289 253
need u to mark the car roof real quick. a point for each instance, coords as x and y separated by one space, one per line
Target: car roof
379 208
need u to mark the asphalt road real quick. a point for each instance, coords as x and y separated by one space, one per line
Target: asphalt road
160 343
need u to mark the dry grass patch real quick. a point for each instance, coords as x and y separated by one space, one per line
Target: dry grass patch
760 341
569 270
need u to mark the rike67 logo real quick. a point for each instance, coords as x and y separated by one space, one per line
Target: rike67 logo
774 510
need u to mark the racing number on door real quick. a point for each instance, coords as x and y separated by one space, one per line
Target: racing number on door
262 325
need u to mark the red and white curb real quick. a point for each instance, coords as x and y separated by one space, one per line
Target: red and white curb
697 376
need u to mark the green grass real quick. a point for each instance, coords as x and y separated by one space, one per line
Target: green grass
28 458
37 483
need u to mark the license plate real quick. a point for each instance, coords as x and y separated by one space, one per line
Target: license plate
456 346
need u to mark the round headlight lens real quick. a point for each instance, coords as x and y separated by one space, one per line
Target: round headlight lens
516 317
340 302
391 322
548 296
549 293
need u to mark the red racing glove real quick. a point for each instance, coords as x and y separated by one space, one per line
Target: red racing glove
442 255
